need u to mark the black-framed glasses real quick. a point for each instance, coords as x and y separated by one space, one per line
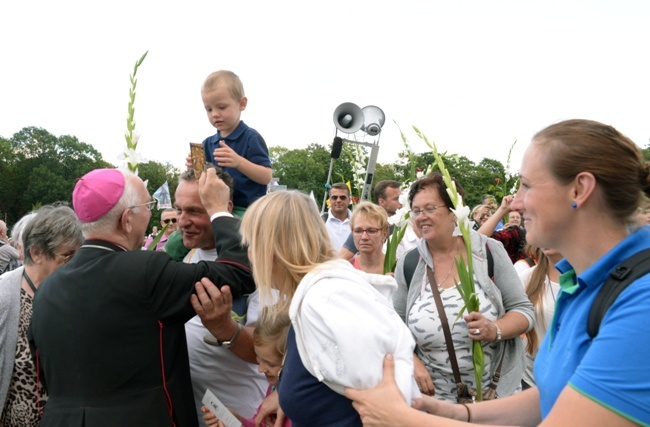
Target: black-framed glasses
368 231
168 220
335 197
150 204
429 210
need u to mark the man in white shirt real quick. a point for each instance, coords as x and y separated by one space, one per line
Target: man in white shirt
214 366
338 216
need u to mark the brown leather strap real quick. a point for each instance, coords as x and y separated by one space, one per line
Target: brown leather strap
448 341
445 326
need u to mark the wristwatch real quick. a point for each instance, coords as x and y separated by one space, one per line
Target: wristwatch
211 340
498 332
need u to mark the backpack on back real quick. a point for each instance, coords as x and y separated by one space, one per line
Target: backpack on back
619 279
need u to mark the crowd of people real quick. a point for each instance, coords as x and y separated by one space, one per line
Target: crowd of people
290 317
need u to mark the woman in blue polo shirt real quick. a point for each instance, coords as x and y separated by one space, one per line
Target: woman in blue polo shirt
581 184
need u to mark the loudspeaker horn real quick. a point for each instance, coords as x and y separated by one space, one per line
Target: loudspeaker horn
373 120
348 117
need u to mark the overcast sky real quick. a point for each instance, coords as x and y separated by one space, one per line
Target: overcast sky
473 75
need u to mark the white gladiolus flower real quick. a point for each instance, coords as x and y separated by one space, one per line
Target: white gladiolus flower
462 213
130 156
399 219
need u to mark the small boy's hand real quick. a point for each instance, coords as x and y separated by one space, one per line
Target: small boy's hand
226 156
188 162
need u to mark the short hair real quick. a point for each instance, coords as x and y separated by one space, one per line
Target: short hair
435 180
373 212
108 222
52 227
190 176
287 239
380 188
272 328
622 175
228 79
341 186
3 226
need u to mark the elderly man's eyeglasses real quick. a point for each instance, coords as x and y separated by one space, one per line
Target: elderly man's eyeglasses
166 221
150 204
338 197
429 210
368 231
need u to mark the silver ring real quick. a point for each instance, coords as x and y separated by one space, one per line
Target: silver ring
477 331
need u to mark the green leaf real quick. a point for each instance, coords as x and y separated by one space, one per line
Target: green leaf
154 242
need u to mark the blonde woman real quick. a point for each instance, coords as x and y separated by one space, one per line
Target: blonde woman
369 225
342 320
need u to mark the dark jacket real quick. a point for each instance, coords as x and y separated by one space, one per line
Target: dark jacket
108 329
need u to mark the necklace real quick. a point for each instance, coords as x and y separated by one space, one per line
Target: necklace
29 281
439 284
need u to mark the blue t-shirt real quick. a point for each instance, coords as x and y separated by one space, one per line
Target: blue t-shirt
249 144
611 370
307 401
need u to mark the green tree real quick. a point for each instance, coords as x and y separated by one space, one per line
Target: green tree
42 169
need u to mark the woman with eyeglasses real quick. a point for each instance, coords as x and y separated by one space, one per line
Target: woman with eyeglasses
49 240
505 311
369 224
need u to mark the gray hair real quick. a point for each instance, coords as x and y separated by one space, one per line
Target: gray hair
51 228
17 231
108 222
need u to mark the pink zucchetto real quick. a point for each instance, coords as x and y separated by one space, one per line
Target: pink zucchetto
96 193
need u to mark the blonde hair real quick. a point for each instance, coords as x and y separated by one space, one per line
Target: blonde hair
286 239
272 328
225 78
372 212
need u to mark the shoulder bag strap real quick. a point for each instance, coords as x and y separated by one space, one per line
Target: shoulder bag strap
445 327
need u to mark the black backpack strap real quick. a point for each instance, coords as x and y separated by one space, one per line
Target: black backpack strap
411 259
619 279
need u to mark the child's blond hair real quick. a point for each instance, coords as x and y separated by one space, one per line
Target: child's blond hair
272 328
227 79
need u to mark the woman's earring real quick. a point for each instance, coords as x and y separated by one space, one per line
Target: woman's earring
574 205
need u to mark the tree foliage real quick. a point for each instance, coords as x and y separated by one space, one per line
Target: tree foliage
39 168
